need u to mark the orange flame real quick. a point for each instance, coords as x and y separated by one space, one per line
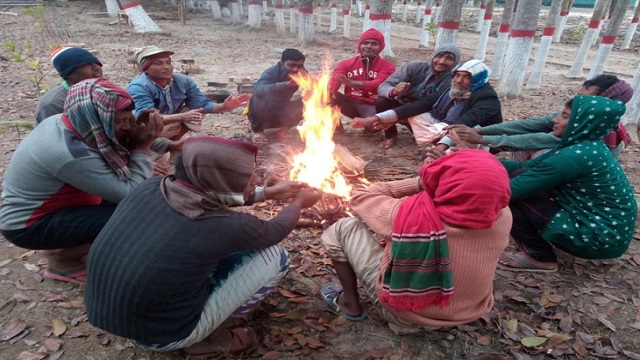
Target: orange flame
317 165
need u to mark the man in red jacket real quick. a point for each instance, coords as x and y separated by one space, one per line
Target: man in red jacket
361 76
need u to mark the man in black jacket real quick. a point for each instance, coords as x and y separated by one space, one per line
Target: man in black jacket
271 106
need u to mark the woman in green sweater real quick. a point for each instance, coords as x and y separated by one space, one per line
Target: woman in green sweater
576 197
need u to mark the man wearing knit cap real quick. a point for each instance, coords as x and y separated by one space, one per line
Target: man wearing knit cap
74 65
361 75
422 81
529 136
470 101
176 96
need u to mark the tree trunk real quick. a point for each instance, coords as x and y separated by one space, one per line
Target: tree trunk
418 13
216 10
631 30
503 39
255 19
235 12
333 20
305 24
609 37
632 116
346 18
519 49
426 21
404 11
603 22
292 18
485 29
564 15
449 22
265 7
360 7
380 17
545 44
481 12
578 62
141 21
240 8
280 26
436 12
319 16
112 7
366 21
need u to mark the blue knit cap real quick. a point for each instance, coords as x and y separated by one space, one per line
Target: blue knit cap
479 73
67 59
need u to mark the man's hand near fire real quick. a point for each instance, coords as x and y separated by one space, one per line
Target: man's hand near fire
371 121
284 189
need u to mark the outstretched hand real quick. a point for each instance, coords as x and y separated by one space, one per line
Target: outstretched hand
465 133
434 153
284 189
307 197
461 143
233 102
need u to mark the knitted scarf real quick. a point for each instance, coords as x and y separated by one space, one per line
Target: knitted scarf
89 110
467 189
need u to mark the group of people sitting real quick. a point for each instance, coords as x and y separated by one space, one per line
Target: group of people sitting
169 263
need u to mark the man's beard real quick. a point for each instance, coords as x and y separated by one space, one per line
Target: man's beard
457 92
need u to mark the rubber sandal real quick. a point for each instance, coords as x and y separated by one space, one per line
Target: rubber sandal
527 266
330 292
70 276
242 339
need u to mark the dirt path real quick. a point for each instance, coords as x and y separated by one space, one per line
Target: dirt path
592 306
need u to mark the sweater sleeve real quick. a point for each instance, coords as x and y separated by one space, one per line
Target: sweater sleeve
518 127
398 76
522 142
93 175
378 204
268 83
334 84
422 105
543 174
258 234
195 99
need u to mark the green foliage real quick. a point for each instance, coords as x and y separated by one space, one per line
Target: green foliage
577 33
37 13
19 123
23 55
432 28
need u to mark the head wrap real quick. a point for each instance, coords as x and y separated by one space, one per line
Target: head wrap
212 175
446 48
67 59
89 109
619 91
145 56
371 34
479 73
592 117
467 189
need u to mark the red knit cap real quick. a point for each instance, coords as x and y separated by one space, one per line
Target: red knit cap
372 34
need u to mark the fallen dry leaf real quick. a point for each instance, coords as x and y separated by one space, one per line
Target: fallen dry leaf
12 330
272 355
58 326
71 304
484 340
53 345
533 341
31 267
606 322
26 355
26 255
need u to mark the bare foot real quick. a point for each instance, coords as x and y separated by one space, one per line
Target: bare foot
388 143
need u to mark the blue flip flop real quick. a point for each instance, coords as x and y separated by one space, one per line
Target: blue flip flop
330 292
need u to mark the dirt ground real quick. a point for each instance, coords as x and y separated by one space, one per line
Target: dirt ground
588 310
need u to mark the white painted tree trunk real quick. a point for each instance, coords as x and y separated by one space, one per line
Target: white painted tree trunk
292 18
240 8
235 12
280 26
610 34
520 44
483 40
503 39
360 7
594 41
424 33
255 20
319 17
545 43
333 19
346 24
141 21
578 62
436 12
112 7
418 13
557 35
449 22
404 11
380 17
631 30
480 22
306 32
366 22
590 34
632 116
265 7
215 10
